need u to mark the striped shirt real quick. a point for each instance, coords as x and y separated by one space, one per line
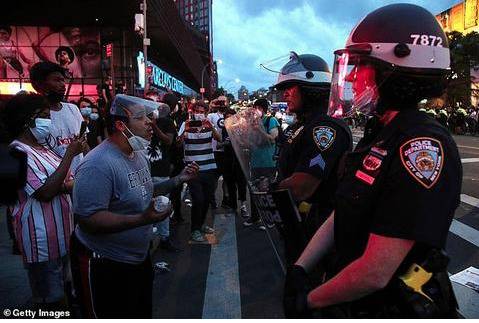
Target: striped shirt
42 229
199 147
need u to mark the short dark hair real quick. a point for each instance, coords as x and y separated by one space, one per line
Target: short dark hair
170 99
8 29
199 104
87 100
262 103
19 112
40 71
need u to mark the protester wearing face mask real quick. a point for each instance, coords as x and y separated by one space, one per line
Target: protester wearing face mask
197 135
262 162
48 79
217 119
113 206
43 215
158 152
95 124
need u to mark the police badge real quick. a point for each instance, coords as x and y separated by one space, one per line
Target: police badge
324 137
423 158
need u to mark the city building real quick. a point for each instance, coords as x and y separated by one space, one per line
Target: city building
243 94
198 16
462 17
104 44
260 93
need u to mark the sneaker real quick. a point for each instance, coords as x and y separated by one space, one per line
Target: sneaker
197 236
257 223
162 267
207 230
270 225
250 222
244 210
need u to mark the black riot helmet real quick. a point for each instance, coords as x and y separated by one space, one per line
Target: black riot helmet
312 74
306 69
395 57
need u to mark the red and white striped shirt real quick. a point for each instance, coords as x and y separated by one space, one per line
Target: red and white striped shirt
43 229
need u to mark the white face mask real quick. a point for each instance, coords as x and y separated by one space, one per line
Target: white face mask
289 119
199 116
137 143
41 130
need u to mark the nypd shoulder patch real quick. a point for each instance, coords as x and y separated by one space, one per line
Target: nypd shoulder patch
423 157
324 137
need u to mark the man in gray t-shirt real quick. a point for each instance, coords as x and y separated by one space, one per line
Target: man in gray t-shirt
121 185
112 205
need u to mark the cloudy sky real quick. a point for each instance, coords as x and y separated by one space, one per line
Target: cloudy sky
249 32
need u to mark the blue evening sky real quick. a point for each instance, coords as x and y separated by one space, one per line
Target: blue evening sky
249 32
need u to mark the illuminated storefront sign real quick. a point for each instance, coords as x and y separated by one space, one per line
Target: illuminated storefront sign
12 88
159 78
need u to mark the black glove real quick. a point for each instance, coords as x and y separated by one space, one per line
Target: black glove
296 289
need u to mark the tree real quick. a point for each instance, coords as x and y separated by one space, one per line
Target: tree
231 97
464 56
218 92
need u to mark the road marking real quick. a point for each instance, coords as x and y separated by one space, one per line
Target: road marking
470 160
468 301
465 232
470 200
222 294
468 147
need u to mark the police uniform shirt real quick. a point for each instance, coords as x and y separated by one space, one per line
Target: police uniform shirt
405 183
315 148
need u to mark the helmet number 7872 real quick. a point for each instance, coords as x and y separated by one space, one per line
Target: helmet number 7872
426 40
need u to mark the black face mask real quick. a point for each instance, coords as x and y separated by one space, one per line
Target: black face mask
55 97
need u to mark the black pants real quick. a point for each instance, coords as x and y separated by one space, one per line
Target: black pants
201 189
175 194
235 182
220 164
110 289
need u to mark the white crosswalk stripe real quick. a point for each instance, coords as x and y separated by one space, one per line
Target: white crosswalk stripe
469 160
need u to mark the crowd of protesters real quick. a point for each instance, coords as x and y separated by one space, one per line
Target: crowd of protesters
459 121
87 216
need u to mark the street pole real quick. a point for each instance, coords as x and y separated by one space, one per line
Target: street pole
145 48
202 78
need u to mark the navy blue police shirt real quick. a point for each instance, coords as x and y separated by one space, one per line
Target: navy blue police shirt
405 182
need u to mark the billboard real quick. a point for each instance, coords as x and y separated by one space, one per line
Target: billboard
76 49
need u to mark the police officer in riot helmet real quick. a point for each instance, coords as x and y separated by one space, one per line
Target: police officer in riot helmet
400 187
309 157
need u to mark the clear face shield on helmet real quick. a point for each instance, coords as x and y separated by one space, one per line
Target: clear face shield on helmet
354 88
290 69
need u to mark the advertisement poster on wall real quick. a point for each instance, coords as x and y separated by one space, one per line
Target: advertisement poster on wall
76 49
